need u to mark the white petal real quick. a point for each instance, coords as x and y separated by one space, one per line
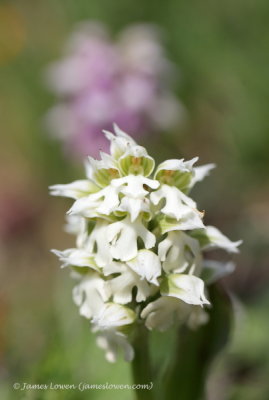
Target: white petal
179 207
123 238
77 225
101 172
133 185
74 190
161 313
113 343
90 295
120 133
176 165
177 173
136 161
98 243
178 252
215 270
134 207
197 317
85 207
119 142
110 200
114 315
147 265
175 201
76 257
121 287
188 288
103 202
201 172
190 220
212 238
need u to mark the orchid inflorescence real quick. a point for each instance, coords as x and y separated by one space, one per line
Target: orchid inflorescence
139 242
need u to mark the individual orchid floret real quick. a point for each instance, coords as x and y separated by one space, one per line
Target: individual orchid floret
74 190
179 253
90 295
119 142
78 226
114 315
135 189
103 202
76 258
98 243
200 173
211 238
113 343
214 270
146 264
101 172
121 286
136 161
138 259
123 237
178 173
188 288
179 211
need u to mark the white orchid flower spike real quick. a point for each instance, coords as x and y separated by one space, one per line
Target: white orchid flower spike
140 237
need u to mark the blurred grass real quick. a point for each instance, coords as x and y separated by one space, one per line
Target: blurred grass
221 50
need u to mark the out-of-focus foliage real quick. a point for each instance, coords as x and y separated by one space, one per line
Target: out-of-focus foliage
221 49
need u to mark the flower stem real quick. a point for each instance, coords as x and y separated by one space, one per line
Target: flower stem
141 365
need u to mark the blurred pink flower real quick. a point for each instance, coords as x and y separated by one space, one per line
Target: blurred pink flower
100 82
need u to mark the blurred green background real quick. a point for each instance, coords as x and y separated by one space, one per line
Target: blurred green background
221 50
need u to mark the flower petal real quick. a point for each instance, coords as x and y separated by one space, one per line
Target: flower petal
136 161
77 257
101 172
215 270
121 287
147 265
188 288
212 238
179 252
201 172
114 315
178 173
113 342
98 244
161 313
74 190
123 237
119 142
90 295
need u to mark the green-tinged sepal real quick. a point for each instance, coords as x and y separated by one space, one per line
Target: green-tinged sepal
187 222
211 238
136 161
178 173
101 172
115 316
213 270
74 190
188 288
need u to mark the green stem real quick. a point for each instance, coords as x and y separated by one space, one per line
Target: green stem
195 350
141 365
